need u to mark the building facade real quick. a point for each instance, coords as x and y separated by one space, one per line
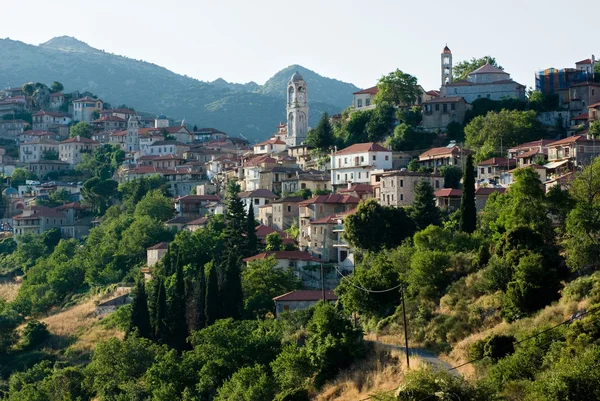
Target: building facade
297 110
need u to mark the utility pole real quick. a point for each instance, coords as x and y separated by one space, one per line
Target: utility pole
405 331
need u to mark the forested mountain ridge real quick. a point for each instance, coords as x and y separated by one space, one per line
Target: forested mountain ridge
248 109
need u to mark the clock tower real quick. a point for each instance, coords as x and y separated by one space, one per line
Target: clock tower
297 110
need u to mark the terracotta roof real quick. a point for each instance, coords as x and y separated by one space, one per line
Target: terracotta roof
291 255
529 153
593 106
180 220
274 141
358 188
372 91
72 205
258 193
198 222
41 212
87 99
570 139
497 161
586 61
539 142
110 118
440 151
583 116
79 139
40 141
290 199
454 99
326 220
49 113
169 157
489 190
259 160
487 68
306 295
149 170
362 147
433 93
343 199
160 245
587 83
448 193
199 198
169 142
446 50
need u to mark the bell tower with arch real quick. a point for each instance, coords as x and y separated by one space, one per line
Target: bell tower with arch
297 110
446 66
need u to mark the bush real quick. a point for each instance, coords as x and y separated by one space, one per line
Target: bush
499 346
298 394
247 384
34 333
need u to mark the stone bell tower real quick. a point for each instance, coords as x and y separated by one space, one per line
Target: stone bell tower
297 110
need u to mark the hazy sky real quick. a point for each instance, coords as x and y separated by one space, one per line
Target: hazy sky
354 41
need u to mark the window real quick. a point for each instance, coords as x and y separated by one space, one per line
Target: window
401 183
368 101
289 208
453 106
374 157
359 175
345 177
488 95
345 160
392 183
483 170
286 307
437 107
437 184
401 197
387 158
478 96
338 177
351 176
489 170
256 201
445 108
362 159
581 149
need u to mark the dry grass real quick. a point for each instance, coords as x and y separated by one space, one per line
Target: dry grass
382 370
9 289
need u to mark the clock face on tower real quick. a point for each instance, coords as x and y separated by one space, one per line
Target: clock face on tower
300 97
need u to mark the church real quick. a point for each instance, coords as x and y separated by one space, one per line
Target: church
297 111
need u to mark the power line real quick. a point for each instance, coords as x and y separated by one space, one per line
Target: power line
365 289
577 316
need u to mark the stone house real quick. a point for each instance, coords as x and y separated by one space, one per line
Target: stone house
43 167
578 149
397 188
109 123
355 163
71 150
194 205
302 155
483 193
168 147
441 111
37 220
45 120
323 238
57 99
256 199
448 199
284 211
360 191
582 95
529 152
38 149
310 179
272 178
302 299
84 108
251 171
451 155
273 145
265 215
364 99
11 129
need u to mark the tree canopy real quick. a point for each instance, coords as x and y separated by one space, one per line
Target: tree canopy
398 88
462 69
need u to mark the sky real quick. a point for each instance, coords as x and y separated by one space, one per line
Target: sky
353 41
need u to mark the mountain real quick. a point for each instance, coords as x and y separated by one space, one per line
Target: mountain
251 110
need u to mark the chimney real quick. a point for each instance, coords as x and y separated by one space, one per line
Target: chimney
349 184
78 138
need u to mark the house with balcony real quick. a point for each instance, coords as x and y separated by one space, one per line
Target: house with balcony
576 149
38 149
273 145
493 169
451 155
251 171
319 207
109 123
84 108
355 163
310 179
37 220
167 147
46 120
195 205
73 149
530 152
397 188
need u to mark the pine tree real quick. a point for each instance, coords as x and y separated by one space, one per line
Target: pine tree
161 330
235 219
322 136
212 304
140 317
176 319
468 212
232 299
251 239
423 210
199 299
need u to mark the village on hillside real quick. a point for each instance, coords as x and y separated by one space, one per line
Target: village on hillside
302 183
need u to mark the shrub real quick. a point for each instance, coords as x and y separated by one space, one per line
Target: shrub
499 346
298 394
34 333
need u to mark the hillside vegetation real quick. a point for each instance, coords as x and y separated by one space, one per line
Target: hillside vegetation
248 109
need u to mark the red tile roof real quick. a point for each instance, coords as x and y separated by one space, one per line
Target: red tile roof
362 147
488 69
291 255
335 199
198 222
199 198
586 61
49 113
539 142
433 93
570 139
497 161
583 116
372 91
593 106
79 139
160 245
448 193
72 205
433 152
87 99
529 153
258 193
453 99
274 141
306 295
326 220
358 188
255 161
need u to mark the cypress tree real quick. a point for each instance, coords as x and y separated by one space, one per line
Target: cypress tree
161 330
140 317
423 210
212 305
199 299
232 299
251 239
468 212
176 320
235 219
322 136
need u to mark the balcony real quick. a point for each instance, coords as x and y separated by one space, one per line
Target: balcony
338 228
340 244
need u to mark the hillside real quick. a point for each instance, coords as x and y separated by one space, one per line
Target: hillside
248 109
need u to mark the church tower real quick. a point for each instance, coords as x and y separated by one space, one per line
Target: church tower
446 66
297 110
132 143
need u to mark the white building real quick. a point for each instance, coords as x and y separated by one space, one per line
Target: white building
356 163
487 82
72 149
84 107
37 149
161 122
132 139
169 147
44 120
273 145
297 110
364 99
256 199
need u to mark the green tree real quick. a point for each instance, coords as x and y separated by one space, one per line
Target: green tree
452 176
251 239
155 205
177 311
81 129
250 383
461 70
468 212
406 137
381 122
56 87
322 136
398 88
585 188
161 330
140 317
9 320
428 274
411 117
423 210
582 237
20 175
262 280
212 303
103 162
34 333
373 226
28 88
292 368
455 131
98 193
274 242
